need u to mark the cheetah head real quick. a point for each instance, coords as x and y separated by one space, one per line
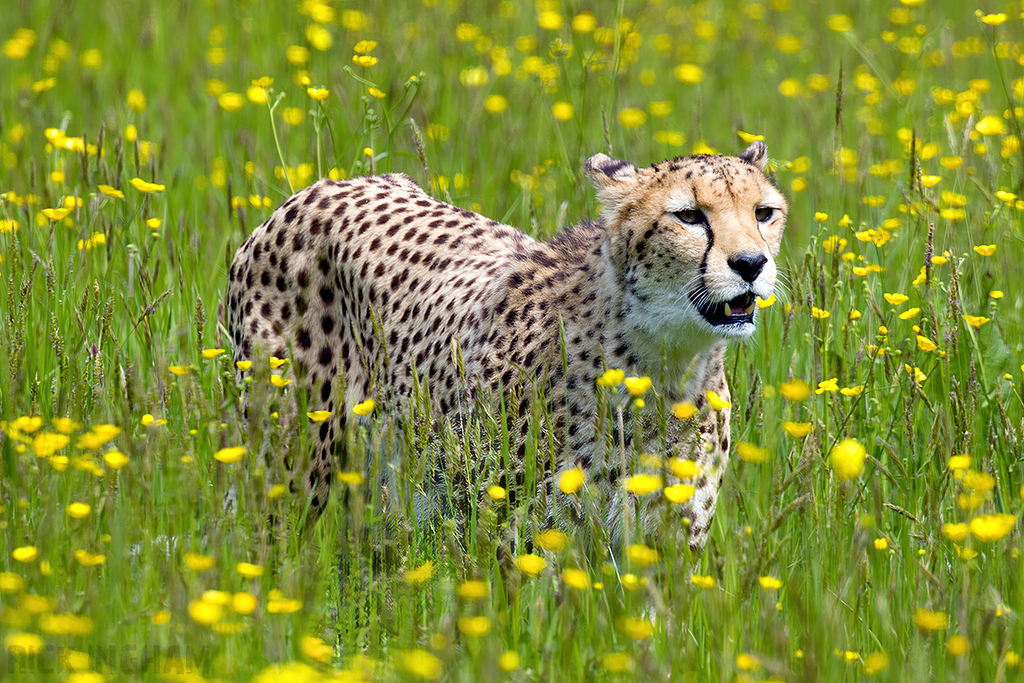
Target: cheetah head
692 240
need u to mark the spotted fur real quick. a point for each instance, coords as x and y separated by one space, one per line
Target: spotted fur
369 284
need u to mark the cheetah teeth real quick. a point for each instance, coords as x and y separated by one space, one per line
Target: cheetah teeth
747 310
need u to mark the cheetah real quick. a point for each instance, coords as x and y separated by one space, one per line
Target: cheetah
374 289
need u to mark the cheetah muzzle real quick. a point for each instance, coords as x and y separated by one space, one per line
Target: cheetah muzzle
372 288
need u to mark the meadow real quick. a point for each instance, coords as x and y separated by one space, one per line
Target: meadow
869 522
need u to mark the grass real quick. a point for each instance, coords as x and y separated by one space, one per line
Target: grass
895 131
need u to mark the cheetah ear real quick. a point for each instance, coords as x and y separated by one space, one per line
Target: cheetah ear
756 154
610 177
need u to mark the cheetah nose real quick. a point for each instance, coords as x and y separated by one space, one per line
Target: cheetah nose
748 265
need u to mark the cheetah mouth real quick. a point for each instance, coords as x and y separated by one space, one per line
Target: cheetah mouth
736 311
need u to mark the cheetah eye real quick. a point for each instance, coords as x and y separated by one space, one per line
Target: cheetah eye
764 213
691 216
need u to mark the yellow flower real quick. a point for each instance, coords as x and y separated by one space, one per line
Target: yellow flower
350 478
365 47
316 649
205 613
847 459
416 576
78 510
955 531
562 111
279 381
989 528
143 186
249 571
819 313
11 583
979 482
930 181
910 313
99 435
87 559
318 415
276 362
243 365
474 627
691 74
896 299
179 370
991 125
881 543
25 554
364 60
985 249
795 390
320 94
616 662
210 354
705 582
48 443
769 583
876 663
957 646
495 104
364 408
115 459
638 386
994 19
975 321
111 191
576 578
56 214
684 410
509 661
642 484
970 501
611 378
748 452
230 455
797 429
820 216
830 385
927 620
642 555
197 562
496 492
965 553
680 493
926 344
632 118
278 604
716 401
765 303
420 664
243 602
23 644
552 539
472 590
840 23
530 564
916 373
637 629
684 469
